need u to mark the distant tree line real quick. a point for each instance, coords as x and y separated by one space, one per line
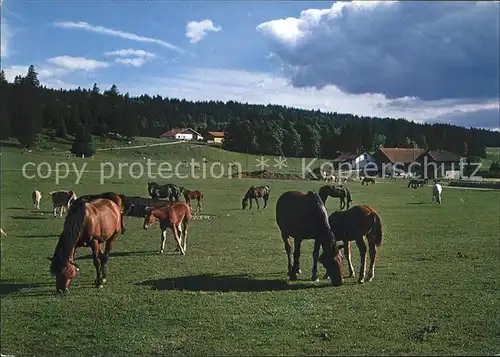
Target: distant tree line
26 108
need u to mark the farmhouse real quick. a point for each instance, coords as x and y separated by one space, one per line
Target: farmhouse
352 160
182 134
390 159
436 163
214 137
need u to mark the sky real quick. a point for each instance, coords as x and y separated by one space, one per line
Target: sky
422 61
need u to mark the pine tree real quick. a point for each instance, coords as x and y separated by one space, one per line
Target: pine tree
292 142
82 145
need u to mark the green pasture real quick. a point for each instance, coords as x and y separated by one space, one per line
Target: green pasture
436 287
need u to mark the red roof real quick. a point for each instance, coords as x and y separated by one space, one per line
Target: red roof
216 133
173 132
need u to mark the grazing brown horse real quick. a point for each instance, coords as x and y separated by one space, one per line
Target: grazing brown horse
86 224
353 225
254 193
175 216
192 195
303 216
340 192
367 180
118 199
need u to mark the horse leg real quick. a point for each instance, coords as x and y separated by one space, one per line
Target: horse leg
184 234
373 253
96 252
104 257
314 276
163 239
199 205
265 203
54 208
296 257
177 239
347 253
288 250
257 202
360 242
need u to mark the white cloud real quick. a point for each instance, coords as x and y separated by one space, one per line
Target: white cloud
135 58
81 25
77 63
5 36
264 88
134 62
130 52
197 30
431 50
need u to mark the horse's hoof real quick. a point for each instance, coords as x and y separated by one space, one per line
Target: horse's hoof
326 276
293 277
100 286
299 271
361 281
103 280
315 278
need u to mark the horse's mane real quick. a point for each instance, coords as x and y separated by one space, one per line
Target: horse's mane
72 227
320 210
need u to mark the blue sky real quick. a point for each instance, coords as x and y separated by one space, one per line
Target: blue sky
422 61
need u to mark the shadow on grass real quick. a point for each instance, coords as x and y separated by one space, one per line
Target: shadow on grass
226 283
27 217
16 208
131 254
414 203
41 236
7 288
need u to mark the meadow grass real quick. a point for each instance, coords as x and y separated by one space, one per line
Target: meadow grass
435 290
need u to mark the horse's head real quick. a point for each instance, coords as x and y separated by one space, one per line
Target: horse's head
181 189
149 217
65 276
333 267
244 203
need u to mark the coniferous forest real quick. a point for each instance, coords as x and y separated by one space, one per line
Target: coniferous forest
26 108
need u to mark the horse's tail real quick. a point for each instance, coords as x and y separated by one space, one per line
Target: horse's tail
377 229
73 225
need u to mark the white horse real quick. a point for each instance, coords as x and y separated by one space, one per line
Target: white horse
437 189
36 196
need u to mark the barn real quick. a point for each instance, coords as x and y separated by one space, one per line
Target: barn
182 134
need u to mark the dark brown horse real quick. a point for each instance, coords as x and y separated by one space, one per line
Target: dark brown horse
118 199
303 216
353 225
254 193
192 195
416 183
367 180
340 192
86 224
175 216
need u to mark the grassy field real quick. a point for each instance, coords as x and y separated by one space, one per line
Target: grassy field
436 287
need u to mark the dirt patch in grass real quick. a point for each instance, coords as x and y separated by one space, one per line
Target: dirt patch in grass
264 174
